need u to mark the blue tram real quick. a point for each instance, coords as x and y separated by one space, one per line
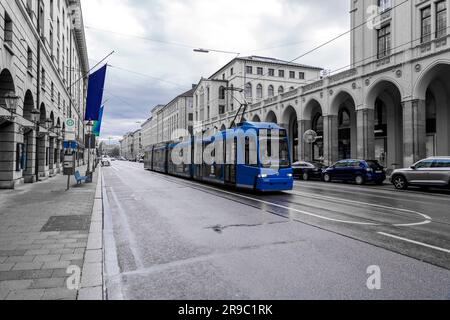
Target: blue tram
241 163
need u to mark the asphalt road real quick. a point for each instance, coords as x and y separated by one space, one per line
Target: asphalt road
170 238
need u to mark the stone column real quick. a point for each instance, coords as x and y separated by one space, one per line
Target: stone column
51 159
43 165
29 173
304 148
7 155
330 139
365 133
414 131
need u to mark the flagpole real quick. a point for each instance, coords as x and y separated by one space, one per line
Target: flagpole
87 73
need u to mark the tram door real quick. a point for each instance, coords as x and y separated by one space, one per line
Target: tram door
230 165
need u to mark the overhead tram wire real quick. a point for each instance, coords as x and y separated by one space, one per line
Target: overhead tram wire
319 46
329 41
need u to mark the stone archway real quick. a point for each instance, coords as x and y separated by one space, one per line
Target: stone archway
29 139
271 117
312 119
8 141
384 98
290 123
434 89
43 143
256 118
341 126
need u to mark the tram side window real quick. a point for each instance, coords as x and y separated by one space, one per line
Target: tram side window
250 153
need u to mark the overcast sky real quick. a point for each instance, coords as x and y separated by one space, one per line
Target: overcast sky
164 65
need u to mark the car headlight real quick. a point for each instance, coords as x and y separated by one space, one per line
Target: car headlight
263 175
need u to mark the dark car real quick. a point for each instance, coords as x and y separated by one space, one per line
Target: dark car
359 171
307 170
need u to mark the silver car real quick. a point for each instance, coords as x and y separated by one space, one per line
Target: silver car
431 172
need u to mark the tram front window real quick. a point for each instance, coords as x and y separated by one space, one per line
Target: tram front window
268 159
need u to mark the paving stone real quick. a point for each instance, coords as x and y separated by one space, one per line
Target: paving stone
6 266
76 245
62 251
3 259
95 293
47 258
30 294
59 294
15 284
56 265
70 257
28 266
60 273
53 246
36 274
16 259
48 283
11 275
79 250
3 294
10 253
78 263
93 256
37 252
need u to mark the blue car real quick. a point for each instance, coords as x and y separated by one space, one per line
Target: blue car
359 171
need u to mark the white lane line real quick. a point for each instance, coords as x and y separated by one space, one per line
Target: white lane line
414 242
427 221
290 209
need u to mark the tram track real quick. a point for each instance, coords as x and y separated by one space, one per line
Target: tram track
370 231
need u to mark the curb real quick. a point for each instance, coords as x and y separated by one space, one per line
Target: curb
91 285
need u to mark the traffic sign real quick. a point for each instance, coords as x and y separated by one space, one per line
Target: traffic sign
70 125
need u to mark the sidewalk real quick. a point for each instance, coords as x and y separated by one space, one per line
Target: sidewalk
44 230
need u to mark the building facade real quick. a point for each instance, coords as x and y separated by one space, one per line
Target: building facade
392 105
259 79
167 119
43 68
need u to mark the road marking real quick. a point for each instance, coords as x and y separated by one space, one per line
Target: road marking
427 221
414 242
284 207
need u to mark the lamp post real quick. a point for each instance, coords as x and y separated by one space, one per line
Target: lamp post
89 128
10 105
35 114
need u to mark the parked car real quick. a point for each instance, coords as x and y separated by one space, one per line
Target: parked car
307 170
431 172
359 171
106 162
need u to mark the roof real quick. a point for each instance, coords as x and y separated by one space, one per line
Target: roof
187 94
266 60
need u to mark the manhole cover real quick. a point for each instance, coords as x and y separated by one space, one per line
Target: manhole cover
67 223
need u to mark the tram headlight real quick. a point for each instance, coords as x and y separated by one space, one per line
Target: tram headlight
263 175
290 175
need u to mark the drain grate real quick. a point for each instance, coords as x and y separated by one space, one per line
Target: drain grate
67 223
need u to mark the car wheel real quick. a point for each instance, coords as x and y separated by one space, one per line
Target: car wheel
327 177
359 180
305 176
400 183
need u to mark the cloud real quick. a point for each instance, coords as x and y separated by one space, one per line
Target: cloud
283 29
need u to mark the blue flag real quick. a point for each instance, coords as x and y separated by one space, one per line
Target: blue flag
98 123
95 94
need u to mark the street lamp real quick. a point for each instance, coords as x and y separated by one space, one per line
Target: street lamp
202 50
35 114
10 104
89 126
